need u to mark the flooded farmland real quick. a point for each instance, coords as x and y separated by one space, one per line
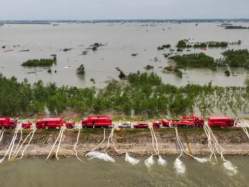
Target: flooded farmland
120 41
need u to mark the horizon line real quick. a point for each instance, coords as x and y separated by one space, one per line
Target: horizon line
123 19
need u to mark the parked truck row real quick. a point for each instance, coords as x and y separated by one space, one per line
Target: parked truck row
106 122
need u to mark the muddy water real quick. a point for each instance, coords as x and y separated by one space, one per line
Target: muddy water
121 41
70 172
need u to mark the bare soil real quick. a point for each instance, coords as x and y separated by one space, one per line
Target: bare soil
138 142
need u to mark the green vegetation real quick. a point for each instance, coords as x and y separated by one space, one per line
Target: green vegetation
193 60
178 72
181 44
145 95
200 45
138 79
164 47
237 58
166 55
247 81
185 44
210 44
233 58
36 62
236 27
218 44
148 67
95 46
81 70
175 70
92 80
122 75
227 73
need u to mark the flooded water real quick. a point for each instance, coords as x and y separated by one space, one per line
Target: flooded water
121 41
71 172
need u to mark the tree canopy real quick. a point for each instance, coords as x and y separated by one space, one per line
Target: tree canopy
36 62
193 60
145 94
237 58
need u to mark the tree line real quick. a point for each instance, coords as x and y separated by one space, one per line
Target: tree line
185 44
144 94
232 58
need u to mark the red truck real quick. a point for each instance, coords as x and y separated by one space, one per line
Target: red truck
97 121
50 123
188 121
7 123
26 125
219 121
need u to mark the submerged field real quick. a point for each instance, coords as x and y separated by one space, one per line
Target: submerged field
120 42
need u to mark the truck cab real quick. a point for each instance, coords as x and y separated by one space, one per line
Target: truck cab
7 123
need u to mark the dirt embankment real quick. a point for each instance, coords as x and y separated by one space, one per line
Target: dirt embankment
135 142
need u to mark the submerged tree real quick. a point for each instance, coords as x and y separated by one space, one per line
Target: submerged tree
122 75
181 44
81 70
92 80
227 73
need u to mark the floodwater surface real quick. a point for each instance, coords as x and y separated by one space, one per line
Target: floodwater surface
121 40
70 172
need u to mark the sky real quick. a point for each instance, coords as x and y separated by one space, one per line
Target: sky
122 9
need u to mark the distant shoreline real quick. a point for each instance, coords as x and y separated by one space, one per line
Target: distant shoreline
122 21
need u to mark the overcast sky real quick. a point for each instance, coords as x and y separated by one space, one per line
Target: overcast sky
122 9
